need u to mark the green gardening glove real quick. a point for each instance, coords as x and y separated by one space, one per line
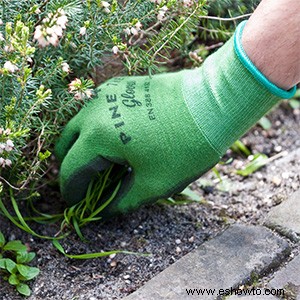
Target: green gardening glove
169 128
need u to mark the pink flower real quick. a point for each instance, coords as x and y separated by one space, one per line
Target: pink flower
80 92
82 31
115 49
65 67
51 29
10 67
9 145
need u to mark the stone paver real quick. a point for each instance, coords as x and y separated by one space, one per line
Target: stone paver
285 218
288 278
221 263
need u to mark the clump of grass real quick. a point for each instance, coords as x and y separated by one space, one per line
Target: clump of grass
73 218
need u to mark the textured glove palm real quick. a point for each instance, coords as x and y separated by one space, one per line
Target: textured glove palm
169 128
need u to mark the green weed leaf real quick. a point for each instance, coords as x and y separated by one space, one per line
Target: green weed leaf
13 279
16 246
2 240
28 272
191 195
24 257
23 289
10 265
239 146
60 248
265 123
258 161
295 104
2 263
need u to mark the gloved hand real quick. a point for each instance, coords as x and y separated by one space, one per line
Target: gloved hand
169 129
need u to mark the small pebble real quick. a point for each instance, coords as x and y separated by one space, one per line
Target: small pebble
111 256
297 112
278 148
126 276
113 264
285 175
191 239
276 180
178 249
277 123
123 244
259 175
178 241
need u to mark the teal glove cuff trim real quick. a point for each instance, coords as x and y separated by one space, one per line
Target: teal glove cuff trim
245 60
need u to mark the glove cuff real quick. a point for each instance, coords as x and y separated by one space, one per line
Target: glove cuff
228 94
248 64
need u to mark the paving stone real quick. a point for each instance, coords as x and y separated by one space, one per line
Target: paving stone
226 261
288 278
285 218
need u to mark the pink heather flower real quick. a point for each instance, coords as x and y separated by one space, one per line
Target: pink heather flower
134 31
9 48
138 25
10 67
105 6
8 162
79 92
7 131
57 30
1 37
52 29
127 31
2 147
82 31
81 95
5 162
65 67
187 2
40 35
62 20
161 13
74 85
88 93
115 49
9 145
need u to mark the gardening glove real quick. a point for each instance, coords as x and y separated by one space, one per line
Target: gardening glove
168 129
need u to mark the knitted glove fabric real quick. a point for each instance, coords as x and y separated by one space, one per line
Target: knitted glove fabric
169 128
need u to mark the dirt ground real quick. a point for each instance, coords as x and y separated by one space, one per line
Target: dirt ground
166 232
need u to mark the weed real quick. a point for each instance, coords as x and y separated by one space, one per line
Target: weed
14 259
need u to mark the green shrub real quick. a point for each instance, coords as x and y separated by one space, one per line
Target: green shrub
48 54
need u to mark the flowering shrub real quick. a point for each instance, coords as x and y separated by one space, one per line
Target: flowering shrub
48 54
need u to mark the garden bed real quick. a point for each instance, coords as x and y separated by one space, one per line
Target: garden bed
167 232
